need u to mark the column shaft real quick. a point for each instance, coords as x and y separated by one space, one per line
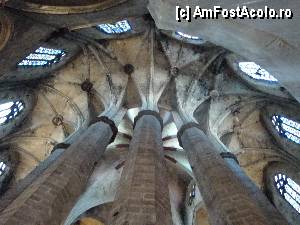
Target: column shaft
143 194
13 192
262 201
225 197
50 197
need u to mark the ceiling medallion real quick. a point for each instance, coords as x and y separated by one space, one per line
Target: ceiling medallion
87 86
58 120
6 28
128 69
65 9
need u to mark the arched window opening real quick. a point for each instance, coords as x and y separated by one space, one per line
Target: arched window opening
256 72
42 57
288 189
117 28
2 168
187 36
287 128
192 194
10 110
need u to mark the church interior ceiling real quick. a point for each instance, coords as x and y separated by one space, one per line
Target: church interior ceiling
63 63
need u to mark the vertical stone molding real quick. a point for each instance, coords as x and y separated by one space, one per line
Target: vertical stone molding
224 195
6 29
260 198
143 194
51 196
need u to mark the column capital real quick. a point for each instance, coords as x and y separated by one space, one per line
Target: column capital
185 127
108 121
229 155
149 113
60 146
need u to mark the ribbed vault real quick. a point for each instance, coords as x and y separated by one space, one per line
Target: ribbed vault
147 68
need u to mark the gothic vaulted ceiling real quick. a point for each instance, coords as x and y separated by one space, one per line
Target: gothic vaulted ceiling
102 53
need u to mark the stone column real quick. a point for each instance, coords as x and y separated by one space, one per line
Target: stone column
224 195
261 200
13 192
51 196
143 194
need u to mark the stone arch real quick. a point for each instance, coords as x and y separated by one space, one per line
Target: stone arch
65 7
6 29
242 131
273 88
89 221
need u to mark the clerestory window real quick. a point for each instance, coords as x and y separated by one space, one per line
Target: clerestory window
287 128
187 36
10 110
116 28
288 189
42 57
2 168
254 71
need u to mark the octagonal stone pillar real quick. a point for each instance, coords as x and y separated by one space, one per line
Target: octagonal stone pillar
260 198
143 195
51 196
226 198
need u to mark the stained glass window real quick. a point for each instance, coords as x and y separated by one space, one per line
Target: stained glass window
2 168
287 128
256 72
187 36
42 57
117 28
10 110
288 189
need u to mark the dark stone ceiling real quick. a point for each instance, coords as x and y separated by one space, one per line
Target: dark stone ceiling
66 2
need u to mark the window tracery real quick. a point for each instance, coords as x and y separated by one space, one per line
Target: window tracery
117 28
287 128
2 168
187 36
42 57
254 71
10 110
288 189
